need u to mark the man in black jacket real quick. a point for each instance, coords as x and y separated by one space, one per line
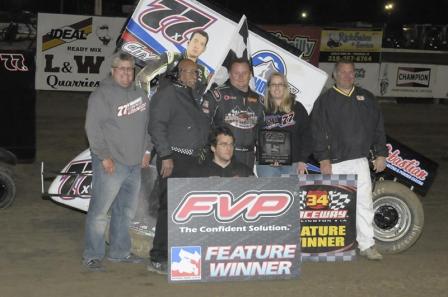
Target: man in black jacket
346 123
237 106
179 131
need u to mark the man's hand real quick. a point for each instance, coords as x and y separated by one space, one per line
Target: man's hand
167 168
325 167
146 160
108 165
379 164
301 168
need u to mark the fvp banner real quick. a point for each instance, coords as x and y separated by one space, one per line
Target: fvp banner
233 229
73 51
328 217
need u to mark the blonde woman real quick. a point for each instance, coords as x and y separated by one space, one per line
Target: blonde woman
283 112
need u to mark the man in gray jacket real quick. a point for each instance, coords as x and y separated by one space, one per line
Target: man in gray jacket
117 130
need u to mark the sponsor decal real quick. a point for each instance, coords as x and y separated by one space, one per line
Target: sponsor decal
175 19
185 263
360 98
228 97
242 119
250 206
413 77
77 184
70 33
279 121
303 43
408 168
264 64
13 62
131 107
135 48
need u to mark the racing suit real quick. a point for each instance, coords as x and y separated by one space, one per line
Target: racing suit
243 112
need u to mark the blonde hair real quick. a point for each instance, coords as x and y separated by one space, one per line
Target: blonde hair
287 100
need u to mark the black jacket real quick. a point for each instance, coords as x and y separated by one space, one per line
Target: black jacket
242 112
176 120
297 123
345 127
210 168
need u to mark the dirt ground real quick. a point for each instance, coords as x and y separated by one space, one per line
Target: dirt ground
41 242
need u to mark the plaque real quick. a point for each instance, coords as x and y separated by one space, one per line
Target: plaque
274 146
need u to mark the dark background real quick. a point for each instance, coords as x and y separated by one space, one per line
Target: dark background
322 12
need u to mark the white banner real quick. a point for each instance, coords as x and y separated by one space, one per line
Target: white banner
413 80
166 25
73 51
366 75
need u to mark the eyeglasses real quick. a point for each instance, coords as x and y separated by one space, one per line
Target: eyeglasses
191 72
125 69
277 85
225 144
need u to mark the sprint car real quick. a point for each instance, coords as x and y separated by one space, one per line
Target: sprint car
398 219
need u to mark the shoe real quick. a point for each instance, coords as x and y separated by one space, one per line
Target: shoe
93 265
371 254
158 267
131 259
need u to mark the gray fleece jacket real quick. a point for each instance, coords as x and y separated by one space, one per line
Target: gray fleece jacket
117 123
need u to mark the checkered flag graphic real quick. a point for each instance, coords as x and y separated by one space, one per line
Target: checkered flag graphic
338 200
237 48
302 197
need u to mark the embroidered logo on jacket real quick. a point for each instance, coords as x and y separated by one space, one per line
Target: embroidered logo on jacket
243 119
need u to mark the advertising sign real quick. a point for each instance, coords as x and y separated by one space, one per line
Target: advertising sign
328 217
411 80
305 38
233 229
73 51
162 26
359 46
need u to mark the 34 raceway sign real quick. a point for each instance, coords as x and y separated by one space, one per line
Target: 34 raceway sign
73 51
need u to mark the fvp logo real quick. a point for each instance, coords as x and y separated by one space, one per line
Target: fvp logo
265 63
13 62
175 19
186 263
251 206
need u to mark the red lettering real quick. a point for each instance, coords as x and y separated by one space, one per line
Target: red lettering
409 166
250 206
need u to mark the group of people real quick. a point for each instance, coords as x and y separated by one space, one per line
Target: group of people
216 135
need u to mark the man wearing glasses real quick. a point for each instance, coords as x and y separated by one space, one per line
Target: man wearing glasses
179 131
117 129
222 143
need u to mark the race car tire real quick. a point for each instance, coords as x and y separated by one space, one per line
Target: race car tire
7 188
398 219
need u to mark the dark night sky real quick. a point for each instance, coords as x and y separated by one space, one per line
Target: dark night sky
322 12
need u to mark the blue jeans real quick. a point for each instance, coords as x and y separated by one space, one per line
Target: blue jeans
271 171
118 192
